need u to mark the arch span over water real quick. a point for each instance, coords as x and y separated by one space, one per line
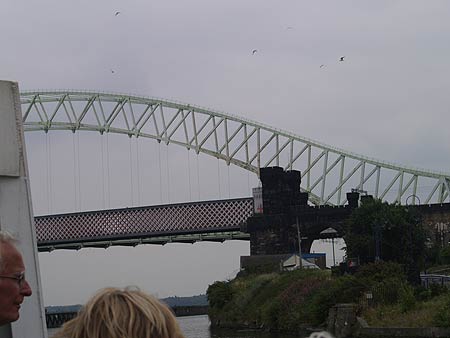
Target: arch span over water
327 172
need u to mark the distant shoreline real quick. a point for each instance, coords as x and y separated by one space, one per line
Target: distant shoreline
56 316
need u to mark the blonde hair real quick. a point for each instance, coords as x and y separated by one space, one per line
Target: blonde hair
122 313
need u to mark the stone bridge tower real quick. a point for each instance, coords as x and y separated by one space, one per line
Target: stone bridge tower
275 232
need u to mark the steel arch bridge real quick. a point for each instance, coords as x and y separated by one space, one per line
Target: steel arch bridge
327 172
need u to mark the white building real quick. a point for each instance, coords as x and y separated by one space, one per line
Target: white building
293 263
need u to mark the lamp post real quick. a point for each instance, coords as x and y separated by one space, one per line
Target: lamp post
410 263
299 243
414 199
332 245
377 235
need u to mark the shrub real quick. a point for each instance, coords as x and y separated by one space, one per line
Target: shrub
387 291
445 255
270 314
345 289
387 281
377 272
423 294
219 294
407 299
437 289
291 308
442 316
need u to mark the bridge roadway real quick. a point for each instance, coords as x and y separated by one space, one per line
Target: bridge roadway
217 220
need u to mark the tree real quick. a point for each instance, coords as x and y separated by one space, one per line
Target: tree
219 294
389 232
444 255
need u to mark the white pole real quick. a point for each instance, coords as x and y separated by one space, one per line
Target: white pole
16 213
332 243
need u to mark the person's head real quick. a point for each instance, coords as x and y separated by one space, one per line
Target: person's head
13 286
122 313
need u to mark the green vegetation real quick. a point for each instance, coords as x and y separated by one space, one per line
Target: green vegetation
291 301
426 313
275 301
444 255
398 231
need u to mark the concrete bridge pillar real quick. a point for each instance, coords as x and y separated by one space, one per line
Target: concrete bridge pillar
16 214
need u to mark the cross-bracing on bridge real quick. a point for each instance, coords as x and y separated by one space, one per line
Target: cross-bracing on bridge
176 223
327 172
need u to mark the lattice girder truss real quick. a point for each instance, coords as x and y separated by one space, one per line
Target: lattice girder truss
327 172
183 222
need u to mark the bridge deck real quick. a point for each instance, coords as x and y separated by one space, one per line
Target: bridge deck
185 222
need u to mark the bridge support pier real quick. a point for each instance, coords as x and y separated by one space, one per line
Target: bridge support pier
275 231
16 213
287 217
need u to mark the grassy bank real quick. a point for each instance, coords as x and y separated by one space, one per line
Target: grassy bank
426 313
290 301
286 301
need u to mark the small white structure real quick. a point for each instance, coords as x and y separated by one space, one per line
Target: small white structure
293 263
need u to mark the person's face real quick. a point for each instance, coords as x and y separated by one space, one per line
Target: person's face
11 293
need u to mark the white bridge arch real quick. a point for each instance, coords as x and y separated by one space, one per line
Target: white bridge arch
327 172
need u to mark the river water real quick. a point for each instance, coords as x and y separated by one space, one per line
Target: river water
198 327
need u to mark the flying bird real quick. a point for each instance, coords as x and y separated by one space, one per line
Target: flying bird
342 58
117 13
321 66
113 71
254 51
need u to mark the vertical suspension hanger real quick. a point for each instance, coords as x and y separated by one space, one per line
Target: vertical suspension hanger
248 181
79 171
168 173
198 177
108 178
131 171
47 165
138 165
229 184
103 171
218 176
160 172
189 174
75 198
50 171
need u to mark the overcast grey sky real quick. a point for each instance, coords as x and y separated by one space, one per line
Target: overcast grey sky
388 99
